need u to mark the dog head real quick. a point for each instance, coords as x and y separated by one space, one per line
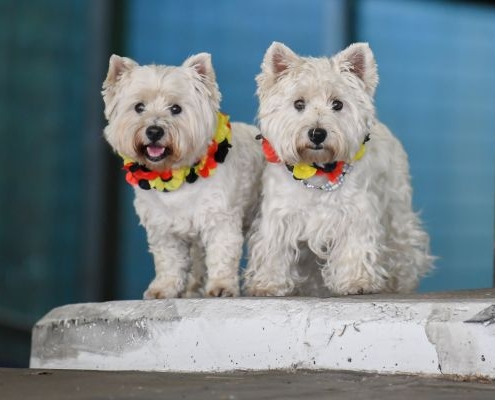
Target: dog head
161 116
316 110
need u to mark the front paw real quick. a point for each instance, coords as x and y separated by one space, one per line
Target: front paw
360 287
222 288
268 290
163 288
356 291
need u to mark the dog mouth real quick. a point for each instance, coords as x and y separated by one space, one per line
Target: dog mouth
155 152
315 147
316 153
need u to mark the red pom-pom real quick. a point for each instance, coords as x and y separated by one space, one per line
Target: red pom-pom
209 165
334 175
166 175
147 175
129 177
212 149
270 154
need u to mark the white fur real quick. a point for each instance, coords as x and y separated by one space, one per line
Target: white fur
361 238
200 224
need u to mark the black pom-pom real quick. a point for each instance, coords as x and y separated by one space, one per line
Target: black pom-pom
134 167
138 167
327 167
144 184
222 151
192 176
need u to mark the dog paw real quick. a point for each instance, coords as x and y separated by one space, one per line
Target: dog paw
222 288
162 289
267 291
359 289
260 293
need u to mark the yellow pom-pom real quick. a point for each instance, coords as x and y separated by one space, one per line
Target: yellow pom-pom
127 160
303 171
360 153
157 184
223 131
173 184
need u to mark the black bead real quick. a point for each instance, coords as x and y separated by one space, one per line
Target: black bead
144 184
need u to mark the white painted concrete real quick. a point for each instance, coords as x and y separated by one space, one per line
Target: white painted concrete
390 335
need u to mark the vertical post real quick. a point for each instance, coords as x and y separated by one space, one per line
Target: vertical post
351 23
101 230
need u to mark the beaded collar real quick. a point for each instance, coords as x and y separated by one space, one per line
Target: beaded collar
173 179
335 172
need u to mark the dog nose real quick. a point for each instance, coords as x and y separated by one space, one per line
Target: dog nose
154 133
317 135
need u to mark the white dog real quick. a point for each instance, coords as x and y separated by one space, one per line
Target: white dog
336 215
196 180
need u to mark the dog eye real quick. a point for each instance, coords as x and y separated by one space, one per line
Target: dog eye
337 105
175 109
299 105
139 108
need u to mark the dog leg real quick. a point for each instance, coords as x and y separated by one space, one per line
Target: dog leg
271 258
172 261
353 263
223 245
196 275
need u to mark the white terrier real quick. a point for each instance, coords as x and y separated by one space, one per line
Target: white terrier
192 197
336 215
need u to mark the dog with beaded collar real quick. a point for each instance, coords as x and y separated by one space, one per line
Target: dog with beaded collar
337 233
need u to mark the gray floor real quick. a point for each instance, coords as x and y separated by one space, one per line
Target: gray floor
29 384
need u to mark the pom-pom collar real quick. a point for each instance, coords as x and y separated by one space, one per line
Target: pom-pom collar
334 172
170 180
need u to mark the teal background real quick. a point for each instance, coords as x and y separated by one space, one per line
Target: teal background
437 94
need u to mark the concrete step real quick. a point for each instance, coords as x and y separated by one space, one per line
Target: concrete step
450 333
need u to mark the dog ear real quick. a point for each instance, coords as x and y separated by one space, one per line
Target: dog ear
358 59
116 67
277 60
202 64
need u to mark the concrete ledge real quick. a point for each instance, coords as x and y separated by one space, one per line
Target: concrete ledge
430 334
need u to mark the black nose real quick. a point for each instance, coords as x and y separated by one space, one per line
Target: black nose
154 133
317 135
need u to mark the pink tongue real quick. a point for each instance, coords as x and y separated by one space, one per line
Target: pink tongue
155 151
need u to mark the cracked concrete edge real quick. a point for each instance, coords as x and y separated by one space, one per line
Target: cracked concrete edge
217 335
